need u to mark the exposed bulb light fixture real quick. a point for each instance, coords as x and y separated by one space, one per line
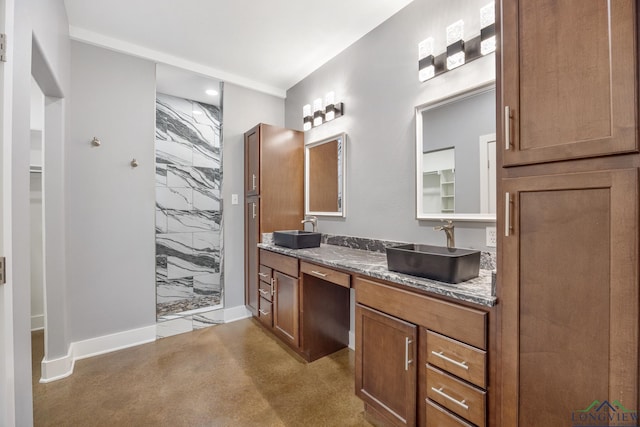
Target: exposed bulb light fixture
455 45
332 110
307 120
426 60
318 113
488 29
458 50
211 92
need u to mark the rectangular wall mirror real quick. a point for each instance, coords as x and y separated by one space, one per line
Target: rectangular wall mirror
456 157
325 176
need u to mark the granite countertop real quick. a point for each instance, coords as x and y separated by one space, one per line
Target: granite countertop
374 264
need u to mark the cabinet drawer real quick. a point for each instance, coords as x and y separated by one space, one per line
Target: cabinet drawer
285 264
460 359
264 312
264 273
459 397
439 417
266 291
462 323
327 274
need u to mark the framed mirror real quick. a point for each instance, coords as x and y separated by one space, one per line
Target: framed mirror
456 157
324 179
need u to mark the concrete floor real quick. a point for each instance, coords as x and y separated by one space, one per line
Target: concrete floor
235 374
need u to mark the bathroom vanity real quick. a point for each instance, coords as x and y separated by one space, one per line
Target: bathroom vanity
422 346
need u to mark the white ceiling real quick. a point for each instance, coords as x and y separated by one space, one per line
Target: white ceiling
264 45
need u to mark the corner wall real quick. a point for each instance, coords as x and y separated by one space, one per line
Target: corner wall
110 204
377 78
241 110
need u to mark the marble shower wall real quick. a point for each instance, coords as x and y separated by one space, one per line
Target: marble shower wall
188 205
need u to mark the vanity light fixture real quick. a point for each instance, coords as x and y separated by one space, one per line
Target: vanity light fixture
455 45
332 110
459 51
488 29
318 113
307 120
426 60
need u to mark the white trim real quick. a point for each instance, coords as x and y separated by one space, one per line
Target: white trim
236 313
37 322
484 142
101 40
62 367
352 341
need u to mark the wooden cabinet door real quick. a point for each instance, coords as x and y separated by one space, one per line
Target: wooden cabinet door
386 364
569 295
286 315
252 237
252 162
568 77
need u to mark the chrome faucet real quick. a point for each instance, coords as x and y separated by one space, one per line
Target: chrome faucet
449 231
313 220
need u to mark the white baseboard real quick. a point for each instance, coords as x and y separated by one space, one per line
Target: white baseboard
236 313
63 367
37 322
352 340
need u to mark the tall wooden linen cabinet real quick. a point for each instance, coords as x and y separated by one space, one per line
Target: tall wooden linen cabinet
274 192
568 216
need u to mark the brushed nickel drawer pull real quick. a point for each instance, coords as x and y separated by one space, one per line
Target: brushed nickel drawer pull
507 214
507 128
254 210
254 181
263 275
441 355
446 396
264 313
263 292
407 341
317 273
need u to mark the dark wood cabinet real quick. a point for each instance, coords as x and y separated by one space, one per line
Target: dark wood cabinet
568 215
570 295
386 364
252 237
568 77
274 193
401 334
286 317
252 162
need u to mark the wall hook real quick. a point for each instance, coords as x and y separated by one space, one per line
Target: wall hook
95 142
134 163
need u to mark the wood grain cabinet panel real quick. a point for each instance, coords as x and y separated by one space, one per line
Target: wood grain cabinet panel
569 295
286 317
252 237
569 86
458 358
386 365
437 416
459 397
273 161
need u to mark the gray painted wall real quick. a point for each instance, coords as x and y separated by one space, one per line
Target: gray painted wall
242 109
43 20
377 78
110 205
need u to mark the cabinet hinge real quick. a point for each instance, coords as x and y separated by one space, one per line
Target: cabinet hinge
3 270
3 47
